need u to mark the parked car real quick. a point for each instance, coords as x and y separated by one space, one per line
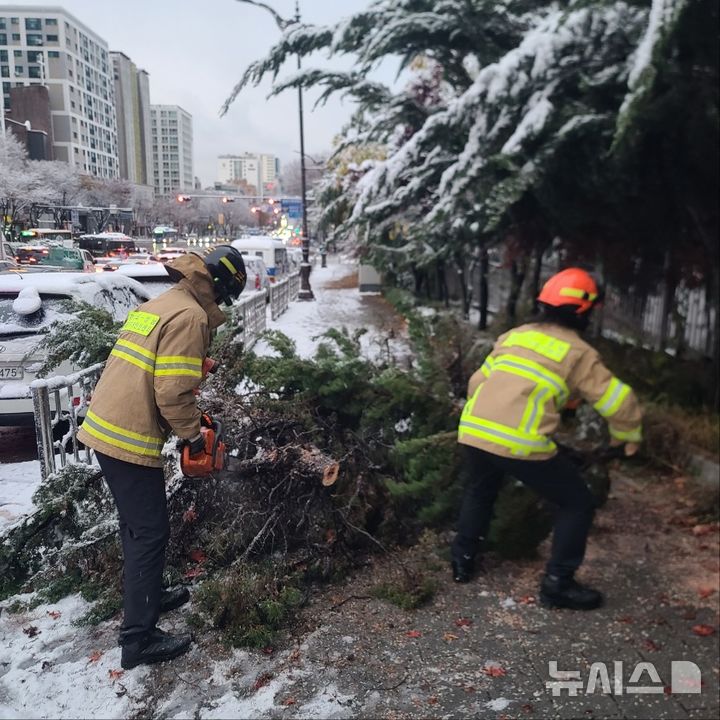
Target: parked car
271 250
29 303
152 275
168 254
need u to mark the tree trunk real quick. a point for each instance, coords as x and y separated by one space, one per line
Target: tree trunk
517 278
669 286
483 289
465 294
535 280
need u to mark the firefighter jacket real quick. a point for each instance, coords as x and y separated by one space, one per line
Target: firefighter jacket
146 389
516 397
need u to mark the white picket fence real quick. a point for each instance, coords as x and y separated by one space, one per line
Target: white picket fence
59 403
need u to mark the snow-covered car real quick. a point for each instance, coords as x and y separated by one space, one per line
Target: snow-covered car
170 254
29 303
151 275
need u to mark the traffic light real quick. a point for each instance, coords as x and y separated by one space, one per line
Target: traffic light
183 198
228 199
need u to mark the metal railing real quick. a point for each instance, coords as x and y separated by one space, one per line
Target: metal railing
250 317
282 292
59 404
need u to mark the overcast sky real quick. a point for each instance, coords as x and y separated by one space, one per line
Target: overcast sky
195 50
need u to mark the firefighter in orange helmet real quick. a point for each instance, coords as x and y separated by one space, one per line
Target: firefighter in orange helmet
513 409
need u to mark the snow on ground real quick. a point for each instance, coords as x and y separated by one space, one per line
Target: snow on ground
50 668
333 307
18 482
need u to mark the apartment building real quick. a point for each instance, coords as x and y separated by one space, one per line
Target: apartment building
48 46
132 103
257 170
172 149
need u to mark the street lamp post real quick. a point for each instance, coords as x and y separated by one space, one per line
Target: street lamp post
306 292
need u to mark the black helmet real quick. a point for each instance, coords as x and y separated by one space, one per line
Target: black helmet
227 268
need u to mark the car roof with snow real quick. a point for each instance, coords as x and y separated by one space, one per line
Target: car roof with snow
143 270
83 285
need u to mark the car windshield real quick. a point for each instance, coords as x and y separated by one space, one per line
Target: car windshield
54 307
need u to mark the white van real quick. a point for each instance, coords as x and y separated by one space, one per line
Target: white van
271 250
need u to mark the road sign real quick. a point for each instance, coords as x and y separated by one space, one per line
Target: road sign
292 208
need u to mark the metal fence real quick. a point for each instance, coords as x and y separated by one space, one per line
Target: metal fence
59 404
249 315
282 292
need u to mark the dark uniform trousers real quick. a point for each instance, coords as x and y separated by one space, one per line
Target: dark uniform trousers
139 494
557 480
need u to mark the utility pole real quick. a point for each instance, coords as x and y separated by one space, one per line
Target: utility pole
306 292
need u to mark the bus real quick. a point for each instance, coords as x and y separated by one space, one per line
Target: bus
43 235
164 234
107 244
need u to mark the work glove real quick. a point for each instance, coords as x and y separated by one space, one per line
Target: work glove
195 444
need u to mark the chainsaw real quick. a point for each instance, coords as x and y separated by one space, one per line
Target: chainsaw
212 457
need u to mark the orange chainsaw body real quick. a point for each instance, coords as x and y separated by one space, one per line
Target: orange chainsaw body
212 458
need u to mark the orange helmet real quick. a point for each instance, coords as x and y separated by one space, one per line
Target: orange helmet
572 287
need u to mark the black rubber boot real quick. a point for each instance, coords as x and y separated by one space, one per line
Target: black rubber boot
557 592
157 647
173 598
463 568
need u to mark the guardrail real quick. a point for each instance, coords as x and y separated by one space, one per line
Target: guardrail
250 316
282 292
58 404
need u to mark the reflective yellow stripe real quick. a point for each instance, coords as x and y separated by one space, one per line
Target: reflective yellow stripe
612 398
634 435
140 322
577 293
518 442
132 359
121 437
179 359
538 342
136 348
530 370
228 265
177 371
535 409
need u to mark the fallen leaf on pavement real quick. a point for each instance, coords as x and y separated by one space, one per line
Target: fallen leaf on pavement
432 700
626 620
703 630
449 637
463 622
413 634
54 614
527 600
268 650
115 674
262 680
95 655
193 572
650 645
494 670
469 689
289 701
705 592
330 474
189 515
528 708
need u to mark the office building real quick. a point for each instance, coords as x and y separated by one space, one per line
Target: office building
260 171
46 45
132 104
172 149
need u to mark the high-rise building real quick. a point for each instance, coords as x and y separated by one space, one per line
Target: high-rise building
258 170
172 145
132 103
46 45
